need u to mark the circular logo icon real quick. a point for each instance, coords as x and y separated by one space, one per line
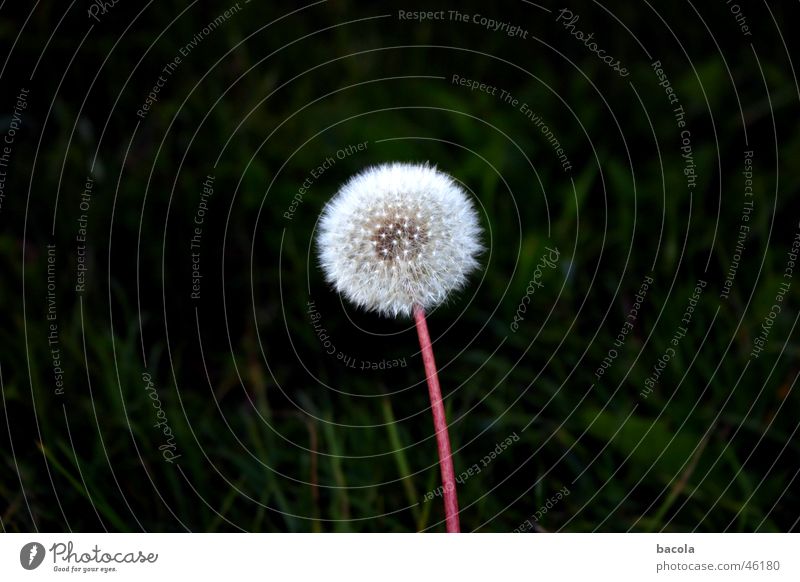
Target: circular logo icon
31 555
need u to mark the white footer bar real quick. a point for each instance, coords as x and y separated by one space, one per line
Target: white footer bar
406 557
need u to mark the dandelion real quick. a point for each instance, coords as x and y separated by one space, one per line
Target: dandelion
399 235
398 239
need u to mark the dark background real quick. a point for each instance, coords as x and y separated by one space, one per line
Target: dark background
273 433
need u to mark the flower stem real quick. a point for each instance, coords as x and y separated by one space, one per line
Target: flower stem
439 423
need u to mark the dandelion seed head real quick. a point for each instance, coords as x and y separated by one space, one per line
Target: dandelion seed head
399 235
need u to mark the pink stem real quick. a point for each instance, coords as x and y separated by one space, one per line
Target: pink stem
439 423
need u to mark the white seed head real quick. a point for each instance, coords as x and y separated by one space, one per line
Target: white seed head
398 235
